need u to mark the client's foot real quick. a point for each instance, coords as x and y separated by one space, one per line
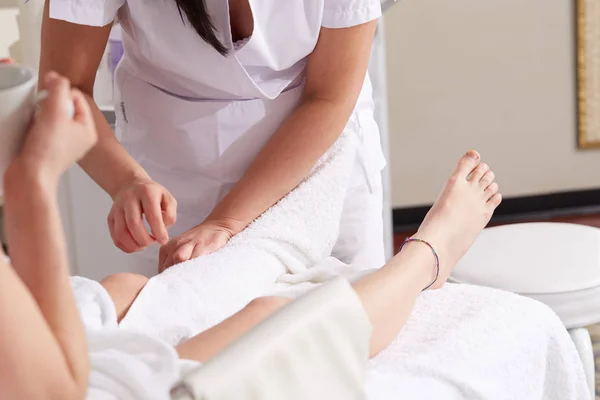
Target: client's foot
463 209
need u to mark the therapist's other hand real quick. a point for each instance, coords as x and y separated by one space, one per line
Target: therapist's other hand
201 240
139 198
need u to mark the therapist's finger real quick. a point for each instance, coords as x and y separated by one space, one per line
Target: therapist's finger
169 208
200 250
167 263
135 223
183 253
110 221
124 241
163 254
152 210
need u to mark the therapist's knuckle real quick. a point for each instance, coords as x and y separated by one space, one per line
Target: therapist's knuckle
179 257
179 243
133 222
122 233
169 219
148 191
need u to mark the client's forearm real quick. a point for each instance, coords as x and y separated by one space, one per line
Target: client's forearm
38 252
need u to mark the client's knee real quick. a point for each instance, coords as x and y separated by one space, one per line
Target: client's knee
125 280
123 289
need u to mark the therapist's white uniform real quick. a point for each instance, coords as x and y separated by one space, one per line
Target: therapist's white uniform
195 119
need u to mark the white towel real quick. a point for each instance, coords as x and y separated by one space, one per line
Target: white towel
467 342
292 236
124 365
461 342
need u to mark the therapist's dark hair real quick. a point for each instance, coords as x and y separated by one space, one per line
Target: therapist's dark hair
197 15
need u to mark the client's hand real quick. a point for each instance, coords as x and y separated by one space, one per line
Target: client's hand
139 198
201 240
56 141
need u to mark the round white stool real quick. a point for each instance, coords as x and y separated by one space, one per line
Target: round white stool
557 264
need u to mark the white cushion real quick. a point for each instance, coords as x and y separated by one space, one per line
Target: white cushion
556 264
533 258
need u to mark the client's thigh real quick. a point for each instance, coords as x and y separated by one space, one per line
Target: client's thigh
123 289
207 344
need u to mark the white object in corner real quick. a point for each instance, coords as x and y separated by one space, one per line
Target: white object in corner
29 21
553 263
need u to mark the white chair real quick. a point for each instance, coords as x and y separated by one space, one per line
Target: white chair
554 263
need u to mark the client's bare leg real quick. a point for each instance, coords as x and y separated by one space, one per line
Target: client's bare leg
207 344
463 209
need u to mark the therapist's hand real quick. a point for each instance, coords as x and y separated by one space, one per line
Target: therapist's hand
201 240
139 198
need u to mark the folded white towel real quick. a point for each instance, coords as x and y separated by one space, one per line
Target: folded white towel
292 236
123 365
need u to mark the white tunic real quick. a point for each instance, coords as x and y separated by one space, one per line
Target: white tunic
195 119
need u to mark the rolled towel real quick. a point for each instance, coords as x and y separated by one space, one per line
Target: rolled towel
291 237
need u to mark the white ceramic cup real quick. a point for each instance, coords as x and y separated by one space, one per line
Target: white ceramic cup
17 106
18 102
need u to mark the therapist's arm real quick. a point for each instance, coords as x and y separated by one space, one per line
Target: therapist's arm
75 51
335 74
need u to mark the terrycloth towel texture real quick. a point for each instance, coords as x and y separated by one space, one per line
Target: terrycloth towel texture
461 342
124 365
295 234
468 342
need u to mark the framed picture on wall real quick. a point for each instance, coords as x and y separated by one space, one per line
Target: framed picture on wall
588 73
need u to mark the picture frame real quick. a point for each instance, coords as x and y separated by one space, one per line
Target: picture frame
588 73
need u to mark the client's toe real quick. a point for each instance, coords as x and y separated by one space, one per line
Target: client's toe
467 163
495 200
478 173
487 179
491 190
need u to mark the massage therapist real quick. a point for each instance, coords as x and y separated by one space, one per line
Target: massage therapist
223 107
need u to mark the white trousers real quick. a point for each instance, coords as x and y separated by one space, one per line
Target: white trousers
360 241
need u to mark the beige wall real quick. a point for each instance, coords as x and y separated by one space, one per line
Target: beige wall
9 32
497 76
